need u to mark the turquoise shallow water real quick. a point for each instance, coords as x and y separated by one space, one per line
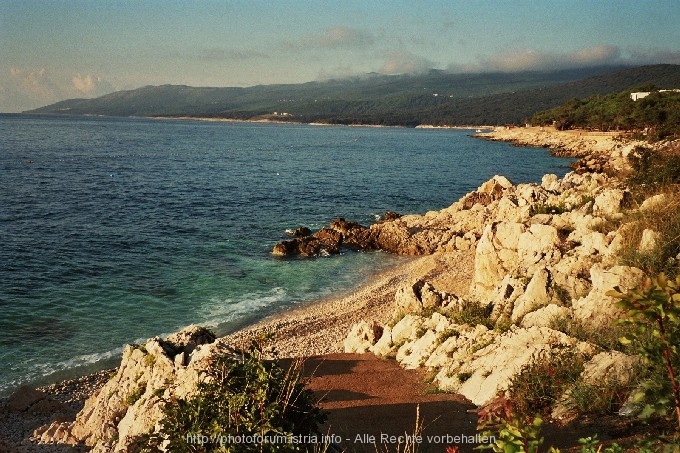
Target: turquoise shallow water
116 230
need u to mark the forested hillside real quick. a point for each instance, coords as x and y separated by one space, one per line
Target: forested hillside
435 98
656 115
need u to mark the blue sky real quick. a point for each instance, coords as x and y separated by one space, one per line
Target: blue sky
52 50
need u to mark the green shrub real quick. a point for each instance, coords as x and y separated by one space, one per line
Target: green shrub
541 208
242 396
597 399
606 337
540 384
472 313
654 312
135 395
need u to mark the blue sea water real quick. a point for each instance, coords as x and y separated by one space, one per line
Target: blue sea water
113 230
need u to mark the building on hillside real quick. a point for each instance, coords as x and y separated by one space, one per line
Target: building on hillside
644 94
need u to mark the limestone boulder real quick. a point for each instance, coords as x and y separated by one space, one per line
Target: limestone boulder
609 201
413 354
544 317
598 308
649 241
362 337
535 295
654 202
489 371
129 405
504 297
538 246
407 328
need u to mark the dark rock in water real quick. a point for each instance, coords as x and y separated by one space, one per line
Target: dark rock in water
285 248
308 246
330 240
301 232
388 216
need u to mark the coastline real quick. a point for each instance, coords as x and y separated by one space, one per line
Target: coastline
314 329
319 328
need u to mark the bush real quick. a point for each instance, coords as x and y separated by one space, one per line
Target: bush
654 169
654 312
541 384
242 396
665 220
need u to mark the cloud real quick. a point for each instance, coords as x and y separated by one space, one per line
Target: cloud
27 88
340 37
405 62
535 60
655 56
34 83
90 85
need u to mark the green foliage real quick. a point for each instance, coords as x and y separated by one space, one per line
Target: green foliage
606 337
592 445
403 100
657 114
541 208
242 396
654 312
653 169
472 313
135 395
541 383
512 433
597 399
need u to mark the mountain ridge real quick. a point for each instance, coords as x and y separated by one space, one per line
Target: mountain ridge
436 97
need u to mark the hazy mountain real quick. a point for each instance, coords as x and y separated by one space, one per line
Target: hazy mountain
436 97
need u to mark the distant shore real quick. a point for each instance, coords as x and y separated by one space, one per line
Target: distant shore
275 121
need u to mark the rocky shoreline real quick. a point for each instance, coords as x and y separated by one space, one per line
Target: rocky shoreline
479 303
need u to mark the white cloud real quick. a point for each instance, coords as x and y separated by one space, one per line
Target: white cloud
338 37
405 62
28 88
535 60
91 85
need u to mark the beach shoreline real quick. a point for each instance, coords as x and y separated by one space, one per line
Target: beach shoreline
319 328
315 329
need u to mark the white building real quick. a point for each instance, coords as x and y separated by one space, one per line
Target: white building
644 94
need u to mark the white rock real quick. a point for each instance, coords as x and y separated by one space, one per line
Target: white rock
550 182
654 202
543 317
413 354
360 338
494 366
598 308
383 347
407 328
608 201
535 295
649 241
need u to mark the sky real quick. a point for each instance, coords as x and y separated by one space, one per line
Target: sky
58 49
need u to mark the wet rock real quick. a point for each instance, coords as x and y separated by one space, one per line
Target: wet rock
301 232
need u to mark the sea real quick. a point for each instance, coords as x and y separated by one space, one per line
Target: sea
115 230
